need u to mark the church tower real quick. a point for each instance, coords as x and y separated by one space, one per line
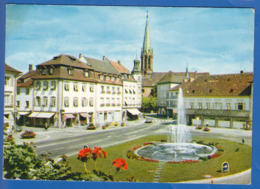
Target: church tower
147 52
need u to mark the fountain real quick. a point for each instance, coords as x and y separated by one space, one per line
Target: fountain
179 146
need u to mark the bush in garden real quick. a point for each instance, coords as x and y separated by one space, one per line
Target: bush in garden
91 127
28 134
21 162
122 124
199 127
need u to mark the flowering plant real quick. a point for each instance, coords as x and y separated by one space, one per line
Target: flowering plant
120 162
83 155
28 134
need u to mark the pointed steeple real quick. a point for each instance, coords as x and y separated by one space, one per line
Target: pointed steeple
187 75
147 45
147 52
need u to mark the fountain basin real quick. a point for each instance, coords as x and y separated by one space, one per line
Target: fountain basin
168 152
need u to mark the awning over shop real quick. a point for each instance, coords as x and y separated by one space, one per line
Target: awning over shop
133 111
85 115
24 113
45 115
67 116
34 114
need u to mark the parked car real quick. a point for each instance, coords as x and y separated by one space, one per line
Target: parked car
149 120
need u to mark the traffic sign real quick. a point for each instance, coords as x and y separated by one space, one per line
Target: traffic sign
225 167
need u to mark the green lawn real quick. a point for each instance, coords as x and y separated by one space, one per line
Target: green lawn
143 171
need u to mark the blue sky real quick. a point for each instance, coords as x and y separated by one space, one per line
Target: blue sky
215 40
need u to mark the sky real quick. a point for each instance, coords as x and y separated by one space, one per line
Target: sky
214 40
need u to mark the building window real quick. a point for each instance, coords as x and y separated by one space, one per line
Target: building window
118 102
218 106
113 90
102 89
38 85
75 102
91 102
45 85
18 91
118 90
91 88
200 105
70 71
66 86
240 106
112 78
108 102
27 104
17 104
84 102
86 73
102 102
207 105
53 85
53 101
139 79
228 106
27 91
45 101
108 90
84 87
44 71
76 87
51 71
126 91
113 102
192 105
102 77
7 80
38 101
66 102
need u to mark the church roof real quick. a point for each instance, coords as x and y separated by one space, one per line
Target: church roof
152 80
218 85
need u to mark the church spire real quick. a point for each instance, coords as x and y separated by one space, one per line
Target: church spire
147 51
147 46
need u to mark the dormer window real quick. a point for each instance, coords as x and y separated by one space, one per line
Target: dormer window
51 71
101 77
86 73
44 71
112 78
70 71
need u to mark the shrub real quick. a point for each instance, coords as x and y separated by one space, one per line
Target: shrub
28 134
116 124
199 127
206 129
122 124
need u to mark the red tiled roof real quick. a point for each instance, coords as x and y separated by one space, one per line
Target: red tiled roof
27 83
10 69
66 60
218 85
119 67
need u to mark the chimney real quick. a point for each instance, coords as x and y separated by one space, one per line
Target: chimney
119 62
241 72
30 67
104 58
80 55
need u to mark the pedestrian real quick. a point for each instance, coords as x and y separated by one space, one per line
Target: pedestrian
243 141
46 126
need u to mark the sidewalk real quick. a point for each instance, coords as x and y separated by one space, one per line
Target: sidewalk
60 133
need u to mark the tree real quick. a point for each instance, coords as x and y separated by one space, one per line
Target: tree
149 104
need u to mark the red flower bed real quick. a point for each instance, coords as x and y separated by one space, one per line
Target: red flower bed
136 147
28 134
147 143
120 162
213 156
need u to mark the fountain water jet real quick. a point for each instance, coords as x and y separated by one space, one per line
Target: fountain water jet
179 146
